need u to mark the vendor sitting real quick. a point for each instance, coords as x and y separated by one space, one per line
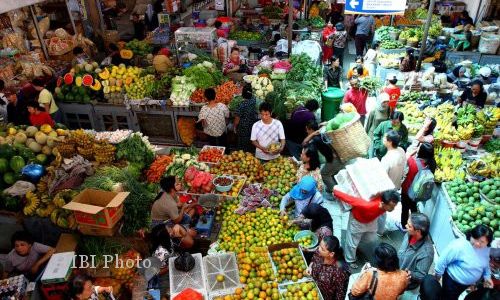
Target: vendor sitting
475 94
27 257
303 194
167 207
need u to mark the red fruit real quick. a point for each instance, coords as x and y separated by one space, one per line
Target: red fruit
59 81
87 80
68 79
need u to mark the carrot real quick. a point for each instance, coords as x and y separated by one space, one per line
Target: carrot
158 168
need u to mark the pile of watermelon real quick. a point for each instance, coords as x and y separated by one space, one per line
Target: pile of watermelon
340 120
12 160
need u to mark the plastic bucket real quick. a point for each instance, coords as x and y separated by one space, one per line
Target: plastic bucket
331 100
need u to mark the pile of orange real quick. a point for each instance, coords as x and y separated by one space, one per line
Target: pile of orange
290 264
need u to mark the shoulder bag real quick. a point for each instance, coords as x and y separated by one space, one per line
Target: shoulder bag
368 295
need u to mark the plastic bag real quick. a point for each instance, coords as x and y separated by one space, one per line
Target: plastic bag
488 44
20 188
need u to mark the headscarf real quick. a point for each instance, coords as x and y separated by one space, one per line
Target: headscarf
150 12
457 70
382 98
319 216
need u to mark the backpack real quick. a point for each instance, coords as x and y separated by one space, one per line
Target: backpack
423 184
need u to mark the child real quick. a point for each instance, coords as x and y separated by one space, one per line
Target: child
38 115
393 91
82 288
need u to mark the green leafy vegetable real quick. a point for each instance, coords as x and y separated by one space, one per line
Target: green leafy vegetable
493 145
136 149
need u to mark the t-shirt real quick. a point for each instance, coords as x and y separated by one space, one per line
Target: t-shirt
165 208
41 119
216 119
370 56
23 264
394 162
358 98
45 97
365 24
394 94
478 100
265 135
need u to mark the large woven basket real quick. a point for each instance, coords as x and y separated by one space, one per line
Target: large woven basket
350 141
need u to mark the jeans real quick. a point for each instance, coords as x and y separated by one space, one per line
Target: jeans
406 205
451 289
360 43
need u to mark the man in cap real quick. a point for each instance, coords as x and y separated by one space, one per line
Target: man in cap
303 194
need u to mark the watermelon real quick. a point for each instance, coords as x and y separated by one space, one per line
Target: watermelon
4 165
88 80
9 178
6 151
41 159
68 79
17 163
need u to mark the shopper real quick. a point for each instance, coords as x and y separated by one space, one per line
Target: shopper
266 132
321 220
370 58
356 69
47 101
464 262
221 33
139 26
395 123
408 63
391 280
333 73
167 209
357 97
79 56
425 134
17 110
424 159
394 161
365 27
296 126
328 168
378 115
393 91
339 42
416 253
82 288
475 95
38 115
27 256
310 166
245 117
362 224
213 117
151 15
302 194
329 270
327 38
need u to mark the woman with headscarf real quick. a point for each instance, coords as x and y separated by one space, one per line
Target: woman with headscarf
378 115
321 220
456 74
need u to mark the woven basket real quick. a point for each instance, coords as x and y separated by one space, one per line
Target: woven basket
350 141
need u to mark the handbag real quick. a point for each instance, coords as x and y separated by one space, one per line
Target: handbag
368 295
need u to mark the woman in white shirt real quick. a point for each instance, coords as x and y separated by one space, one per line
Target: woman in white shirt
213 118
371 58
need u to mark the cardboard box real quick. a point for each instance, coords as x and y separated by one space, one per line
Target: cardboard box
59 268
66 243
98 231
97 208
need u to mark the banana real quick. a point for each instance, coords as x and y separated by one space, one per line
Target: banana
32 203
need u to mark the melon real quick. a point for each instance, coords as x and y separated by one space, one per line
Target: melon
20 138
35 147
51 141
31 131
41 138
17 163
89 68
78 81
88 80
68 79
161 63
46 150
9 178
29 141
53 134
46 128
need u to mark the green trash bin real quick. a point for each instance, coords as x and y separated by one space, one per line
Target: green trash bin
331 100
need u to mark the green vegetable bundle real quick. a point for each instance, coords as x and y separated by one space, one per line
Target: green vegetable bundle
414 97
370 84
245 35
317 22
304 69
383 33
391 45
493 145
136 149
204 76
272 12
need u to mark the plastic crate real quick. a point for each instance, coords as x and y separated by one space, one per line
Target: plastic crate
194 279
225 265
283 288
278 247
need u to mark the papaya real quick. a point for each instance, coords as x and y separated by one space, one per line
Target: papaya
126 54
96 86
104 74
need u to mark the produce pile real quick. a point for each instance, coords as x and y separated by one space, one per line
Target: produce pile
414 97
488 166
80 85
449 164
240 163
224 93
279 176
470 210
141 48
290 264
117 81
245 35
